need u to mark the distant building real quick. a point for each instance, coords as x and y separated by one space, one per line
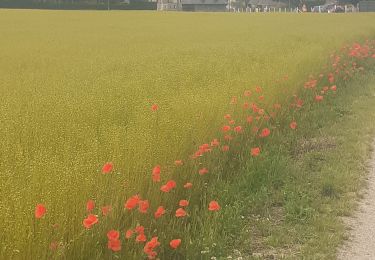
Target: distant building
192 5
367 6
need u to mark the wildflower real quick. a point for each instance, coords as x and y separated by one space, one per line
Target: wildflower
106 210
227 116
159 212
226 128
90 205
247 93
225 148
168 186
156 173
258 89
150 247
203 171
114 245
213 206
232 122
318 98
107 168
113 234
183 203
255 151
143 206
188 185
154 107
293 125
249 119
238 129
132 202
175 243
90 221
215 142
180 212
334 88
40 210
265 132
246 105
128 233
141 238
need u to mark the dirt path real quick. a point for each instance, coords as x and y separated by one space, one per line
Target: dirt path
361 244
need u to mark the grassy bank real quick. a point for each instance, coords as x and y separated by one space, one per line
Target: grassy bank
293 209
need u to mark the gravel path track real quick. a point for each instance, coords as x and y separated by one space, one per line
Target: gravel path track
361 244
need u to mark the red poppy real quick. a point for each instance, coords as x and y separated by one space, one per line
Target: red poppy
249 119
318 98
150 247
183 203
180 212
247 93
246 105
261 98
90 205
293 125
203 171
215 142
258 89
141 238
265 132
143 206
226 128
232 122
107 168
238 129
175 243
90 221
154 107
40 210
156 173
255 151
159 212
128 234
334 88
168 186
188 185
225 148
140 229
299 103
113 234
178 162
132 202
227 116
106 210
114 245
213 206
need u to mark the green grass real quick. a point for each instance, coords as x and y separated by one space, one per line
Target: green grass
76 91
316 179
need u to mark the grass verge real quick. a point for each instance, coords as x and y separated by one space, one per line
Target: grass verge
292 209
